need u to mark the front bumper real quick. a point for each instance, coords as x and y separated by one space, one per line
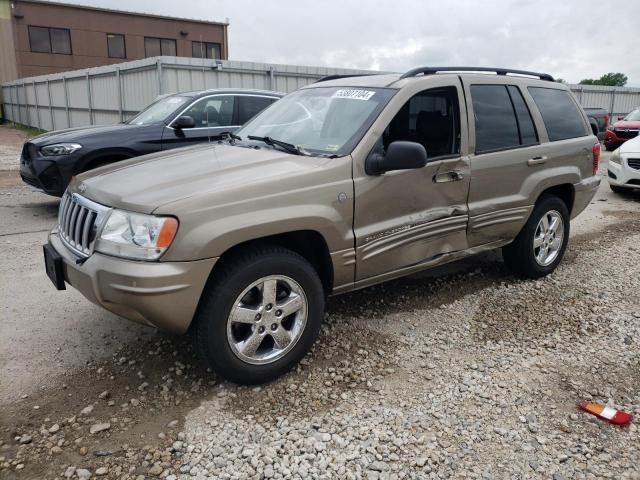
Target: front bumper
49 174
161 294
622 175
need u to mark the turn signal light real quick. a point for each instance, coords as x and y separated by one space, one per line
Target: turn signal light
167 232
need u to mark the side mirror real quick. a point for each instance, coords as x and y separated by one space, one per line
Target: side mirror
184 121
400 155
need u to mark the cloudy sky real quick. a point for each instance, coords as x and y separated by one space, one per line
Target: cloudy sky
571 39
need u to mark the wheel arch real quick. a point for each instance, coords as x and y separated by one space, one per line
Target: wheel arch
565 191
309 244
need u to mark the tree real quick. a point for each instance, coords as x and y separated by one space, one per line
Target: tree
610 79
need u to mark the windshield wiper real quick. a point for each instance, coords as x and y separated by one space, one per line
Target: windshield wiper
286 146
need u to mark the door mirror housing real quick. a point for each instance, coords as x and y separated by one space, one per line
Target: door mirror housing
185 121
400 155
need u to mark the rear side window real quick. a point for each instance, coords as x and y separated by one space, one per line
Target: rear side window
496 124
249 107
561 115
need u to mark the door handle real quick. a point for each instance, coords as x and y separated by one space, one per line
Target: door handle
451 176
537 160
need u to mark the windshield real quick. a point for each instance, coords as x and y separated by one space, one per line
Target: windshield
321 120
158 111
633 116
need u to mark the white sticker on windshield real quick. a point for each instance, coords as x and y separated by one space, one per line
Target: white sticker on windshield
354 94
175 100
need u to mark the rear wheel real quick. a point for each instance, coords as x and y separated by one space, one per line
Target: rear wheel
540 246
260 315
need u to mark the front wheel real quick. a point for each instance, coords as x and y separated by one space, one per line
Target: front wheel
540 246
609 148
259 315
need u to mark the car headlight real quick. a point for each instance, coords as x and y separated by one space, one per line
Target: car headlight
60 149
615 157
135 235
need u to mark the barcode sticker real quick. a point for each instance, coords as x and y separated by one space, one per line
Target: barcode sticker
354 94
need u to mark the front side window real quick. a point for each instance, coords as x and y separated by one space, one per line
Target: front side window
159 111
321 120
562 117
115 45
249 107
50 40
154 47
430 118
205 50
212 112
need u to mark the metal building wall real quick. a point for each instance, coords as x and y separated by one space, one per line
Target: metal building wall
110 94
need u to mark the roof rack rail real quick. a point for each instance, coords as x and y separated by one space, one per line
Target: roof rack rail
499 71
335 77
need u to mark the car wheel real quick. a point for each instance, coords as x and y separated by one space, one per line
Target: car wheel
609 148
620 190
540 245
259 315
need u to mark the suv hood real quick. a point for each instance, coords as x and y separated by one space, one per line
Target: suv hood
143 184
626 124
631 146
80 133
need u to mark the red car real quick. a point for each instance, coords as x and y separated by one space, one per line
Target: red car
622 130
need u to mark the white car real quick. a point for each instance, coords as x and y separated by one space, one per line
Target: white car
624 166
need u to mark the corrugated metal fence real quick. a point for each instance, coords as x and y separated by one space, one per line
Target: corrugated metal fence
110 94
618 101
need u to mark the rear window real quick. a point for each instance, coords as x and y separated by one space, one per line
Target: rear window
562 117
502 118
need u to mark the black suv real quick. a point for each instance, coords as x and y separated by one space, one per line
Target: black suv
50 160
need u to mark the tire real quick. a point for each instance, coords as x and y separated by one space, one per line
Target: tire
620 190
609 148
221 338
520 256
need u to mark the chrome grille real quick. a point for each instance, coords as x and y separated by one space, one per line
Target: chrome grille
79 220
634 163
625 132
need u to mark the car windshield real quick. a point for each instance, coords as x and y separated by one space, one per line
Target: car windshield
320 120
159 110
633 116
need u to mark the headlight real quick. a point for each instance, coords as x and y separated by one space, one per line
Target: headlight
615 157
60 149
137 236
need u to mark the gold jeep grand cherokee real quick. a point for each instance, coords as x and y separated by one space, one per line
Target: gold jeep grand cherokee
345 183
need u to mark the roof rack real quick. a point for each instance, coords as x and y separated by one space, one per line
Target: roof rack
335 77
499 71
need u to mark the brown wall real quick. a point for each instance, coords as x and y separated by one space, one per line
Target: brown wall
88 31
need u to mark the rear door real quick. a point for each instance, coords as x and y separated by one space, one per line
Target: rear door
505 144
404 220
514 157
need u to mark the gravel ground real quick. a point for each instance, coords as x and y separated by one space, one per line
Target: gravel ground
465 372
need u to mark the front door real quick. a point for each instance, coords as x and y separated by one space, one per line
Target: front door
407 219
211 115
